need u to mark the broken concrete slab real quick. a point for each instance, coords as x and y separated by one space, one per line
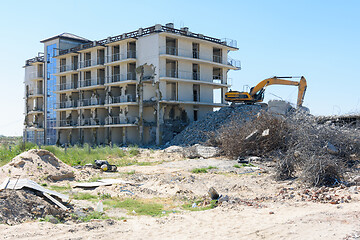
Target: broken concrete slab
252 136
198 150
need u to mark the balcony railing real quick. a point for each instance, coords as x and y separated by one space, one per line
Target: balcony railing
92 82
36 75
118 56
90 102
66 86
36 109
196 54
70 67
234 63
67 104
91 122
121 99
182 74
218 79
121 77
90 63
117 120
67 123
36 91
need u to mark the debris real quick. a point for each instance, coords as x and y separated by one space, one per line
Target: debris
194 205
105 166
265 133
52 219
331 148
213 194
197 151
271 212
55 201
223 199
101 182
252 136
16 184
206 129
99 207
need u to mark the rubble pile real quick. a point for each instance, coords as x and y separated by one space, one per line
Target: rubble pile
200 131
17 206
37 164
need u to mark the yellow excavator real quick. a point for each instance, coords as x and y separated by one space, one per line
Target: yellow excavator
256 93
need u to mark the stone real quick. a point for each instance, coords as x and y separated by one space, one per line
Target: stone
331 148
199 151
265 133
173 149
52 219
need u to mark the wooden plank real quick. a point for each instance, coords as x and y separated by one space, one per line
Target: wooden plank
63 207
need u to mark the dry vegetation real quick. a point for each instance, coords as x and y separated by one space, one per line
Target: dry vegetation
319 154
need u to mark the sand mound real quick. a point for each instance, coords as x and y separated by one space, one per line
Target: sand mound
22 205
37 164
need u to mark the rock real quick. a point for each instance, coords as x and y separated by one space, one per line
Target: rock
61 176
331 148
265 133
198 151
79 213
279 107
297 154
356 180
213 194
353 189
52 219
223 199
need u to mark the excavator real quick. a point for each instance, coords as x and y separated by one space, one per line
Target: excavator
256 93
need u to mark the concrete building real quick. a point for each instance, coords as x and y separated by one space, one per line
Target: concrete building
140 87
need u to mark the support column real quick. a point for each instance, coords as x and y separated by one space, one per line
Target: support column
124 135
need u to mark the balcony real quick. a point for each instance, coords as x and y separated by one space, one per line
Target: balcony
67 68
36 110
92 82
36 75
117 120
131 54
91 122
121 99
35 92
121 77
184 53
90 102
66 86
172 73
67 104
91 63
67 123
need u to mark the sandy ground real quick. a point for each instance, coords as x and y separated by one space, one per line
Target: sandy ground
259 206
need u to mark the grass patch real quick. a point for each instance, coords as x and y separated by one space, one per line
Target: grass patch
202 170
133 151
85 196
8 152
130 172
141 207
188 206
60 188
244 165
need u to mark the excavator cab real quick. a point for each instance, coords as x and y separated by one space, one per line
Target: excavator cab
236 96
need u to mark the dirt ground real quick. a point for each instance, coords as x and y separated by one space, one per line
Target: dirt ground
258 208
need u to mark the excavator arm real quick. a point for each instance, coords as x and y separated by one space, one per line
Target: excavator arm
260 87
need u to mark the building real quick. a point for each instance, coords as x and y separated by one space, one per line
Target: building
140 87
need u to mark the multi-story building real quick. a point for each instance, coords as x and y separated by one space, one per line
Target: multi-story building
140 87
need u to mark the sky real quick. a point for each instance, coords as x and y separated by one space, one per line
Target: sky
316 39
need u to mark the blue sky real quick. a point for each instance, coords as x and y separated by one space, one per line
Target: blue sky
317 39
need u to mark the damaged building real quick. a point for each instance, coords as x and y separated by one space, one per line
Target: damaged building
140 87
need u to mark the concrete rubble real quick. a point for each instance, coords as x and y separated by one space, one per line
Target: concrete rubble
200 131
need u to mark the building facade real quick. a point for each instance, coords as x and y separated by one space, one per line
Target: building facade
141 87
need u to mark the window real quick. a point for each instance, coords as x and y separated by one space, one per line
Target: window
195 50
196 72
196 92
